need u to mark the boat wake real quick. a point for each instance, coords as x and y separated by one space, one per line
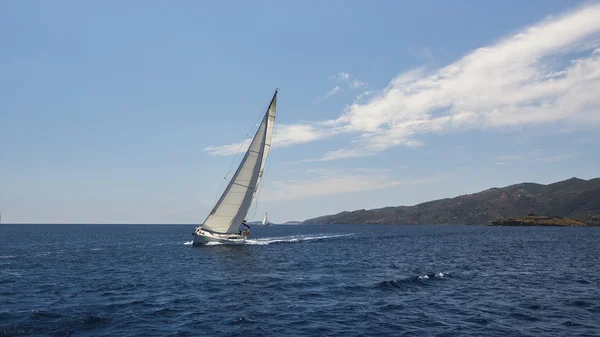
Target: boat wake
282 239
295 238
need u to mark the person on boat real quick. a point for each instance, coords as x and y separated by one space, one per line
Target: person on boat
246 231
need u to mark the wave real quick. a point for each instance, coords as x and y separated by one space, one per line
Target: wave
188 243
11 273
420 280
434 275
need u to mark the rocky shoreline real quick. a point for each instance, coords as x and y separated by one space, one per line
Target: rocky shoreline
537 220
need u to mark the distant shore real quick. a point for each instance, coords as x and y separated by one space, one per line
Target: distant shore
538 220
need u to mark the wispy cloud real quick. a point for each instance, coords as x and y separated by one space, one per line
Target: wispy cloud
183 209
513 82
332 182
547 73
302 133
230 149
332 92
345 79
284 135
536 156
358 83
509 157
350 81
341 76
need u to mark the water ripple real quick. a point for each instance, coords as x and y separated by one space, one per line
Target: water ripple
332 280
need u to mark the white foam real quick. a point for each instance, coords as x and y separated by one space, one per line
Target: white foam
12 273
96 249
291 239
282 239
188 243
435 275
7 256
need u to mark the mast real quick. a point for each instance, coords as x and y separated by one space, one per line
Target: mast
232 207
271 112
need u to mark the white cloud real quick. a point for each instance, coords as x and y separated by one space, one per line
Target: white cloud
332 92
332 182
284 135
517 81
301 133
546 74
341 76
228 150
358 83
361 96
345 78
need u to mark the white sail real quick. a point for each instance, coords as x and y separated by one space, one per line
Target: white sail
269 137
232 207
265 220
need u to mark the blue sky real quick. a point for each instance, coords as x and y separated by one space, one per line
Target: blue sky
123 112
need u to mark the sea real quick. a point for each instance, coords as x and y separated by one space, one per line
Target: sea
301 280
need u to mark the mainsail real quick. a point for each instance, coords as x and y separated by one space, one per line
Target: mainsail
232 207
265 220
269 137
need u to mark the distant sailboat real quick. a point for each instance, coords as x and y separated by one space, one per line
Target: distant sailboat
265 221
229 214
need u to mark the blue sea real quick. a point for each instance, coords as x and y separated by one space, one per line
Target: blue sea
305 280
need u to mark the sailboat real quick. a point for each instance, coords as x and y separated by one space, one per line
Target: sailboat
229 213
265 221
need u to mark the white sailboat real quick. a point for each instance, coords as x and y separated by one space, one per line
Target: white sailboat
229 214
265 221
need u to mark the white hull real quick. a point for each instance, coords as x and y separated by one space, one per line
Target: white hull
203 237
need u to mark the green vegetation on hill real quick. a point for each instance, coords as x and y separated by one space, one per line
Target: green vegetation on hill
574 198
537 220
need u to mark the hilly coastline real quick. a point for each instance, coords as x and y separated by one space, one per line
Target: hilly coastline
575 199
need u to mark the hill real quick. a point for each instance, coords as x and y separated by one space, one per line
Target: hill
576 199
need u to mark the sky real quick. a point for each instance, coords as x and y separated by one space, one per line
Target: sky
132 112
